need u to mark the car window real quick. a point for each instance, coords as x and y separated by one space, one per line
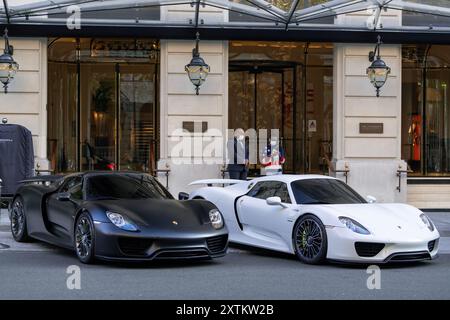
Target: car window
253 191
70 183
77 191
283 193
266 189
124 186
324 191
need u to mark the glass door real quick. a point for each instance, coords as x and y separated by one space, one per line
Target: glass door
98 116
262 97
118 117
241 101
137 113
319 119
102 104
62 107
269 106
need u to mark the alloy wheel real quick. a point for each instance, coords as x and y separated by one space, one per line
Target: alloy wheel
309 239
17 219
83 237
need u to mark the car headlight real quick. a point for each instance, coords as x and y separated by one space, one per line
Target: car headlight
353 225
427 221
120 221
216 219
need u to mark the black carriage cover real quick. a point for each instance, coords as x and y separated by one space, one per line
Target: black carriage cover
16 156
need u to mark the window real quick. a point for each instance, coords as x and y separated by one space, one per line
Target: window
267 189
108 104
324 191
70 183
74 186
426 109
267 80
77 192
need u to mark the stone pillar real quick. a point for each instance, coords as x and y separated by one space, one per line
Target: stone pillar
371 158
180 108
26 100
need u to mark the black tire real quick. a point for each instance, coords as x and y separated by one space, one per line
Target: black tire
84 238
310 240
19 221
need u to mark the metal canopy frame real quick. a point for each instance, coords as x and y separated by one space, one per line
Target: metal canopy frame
265 15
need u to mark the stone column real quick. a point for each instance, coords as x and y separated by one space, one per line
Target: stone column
26 100
185 153
371 158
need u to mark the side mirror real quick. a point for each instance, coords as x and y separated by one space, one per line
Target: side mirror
63 196
371 199
275 201
183 196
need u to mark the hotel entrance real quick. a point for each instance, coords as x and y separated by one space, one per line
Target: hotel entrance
286 86
266 100
103 104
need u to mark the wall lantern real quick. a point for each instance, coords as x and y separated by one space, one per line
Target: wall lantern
8 67
197 69
378 71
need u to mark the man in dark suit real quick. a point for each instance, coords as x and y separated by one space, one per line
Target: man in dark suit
238 156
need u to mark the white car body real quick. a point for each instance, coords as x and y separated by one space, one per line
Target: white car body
256 223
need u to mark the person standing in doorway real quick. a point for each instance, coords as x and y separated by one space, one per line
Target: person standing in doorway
273 158
238 155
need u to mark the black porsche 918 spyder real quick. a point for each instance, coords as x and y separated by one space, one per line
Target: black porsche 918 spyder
116 216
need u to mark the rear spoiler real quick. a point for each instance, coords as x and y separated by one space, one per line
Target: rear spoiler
210 182
42 179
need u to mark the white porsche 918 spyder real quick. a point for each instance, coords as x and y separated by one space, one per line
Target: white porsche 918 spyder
319 218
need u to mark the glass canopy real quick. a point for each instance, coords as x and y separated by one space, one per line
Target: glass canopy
421 15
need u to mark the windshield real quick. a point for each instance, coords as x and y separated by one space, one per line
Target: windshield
125 186
324 191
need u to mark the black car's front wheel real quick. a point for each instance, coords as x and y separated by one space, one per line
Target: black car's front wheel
310 240
19 221
85 238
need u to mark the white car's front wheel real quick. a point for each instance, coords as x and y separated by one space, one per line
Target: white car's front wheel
310 239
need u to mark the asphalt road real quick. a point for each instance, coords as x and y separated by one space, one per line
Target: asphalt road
37 271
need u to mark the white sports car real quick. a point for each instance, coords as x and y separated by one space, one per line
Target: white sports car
319 218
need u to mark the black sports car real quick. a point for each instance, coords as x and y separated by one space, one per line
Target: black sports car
116 216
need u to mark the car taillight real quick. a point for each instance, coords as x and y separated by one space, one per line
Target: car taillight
111 166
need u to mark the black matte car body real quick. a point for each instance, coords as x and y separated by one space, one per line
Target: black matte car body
167 228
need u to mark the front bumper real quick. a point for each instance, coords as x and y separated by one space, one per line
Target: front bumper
342 247
114 244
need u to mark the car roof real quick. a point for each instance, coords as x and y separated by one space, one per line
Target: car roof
95 172
102 172
288 178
